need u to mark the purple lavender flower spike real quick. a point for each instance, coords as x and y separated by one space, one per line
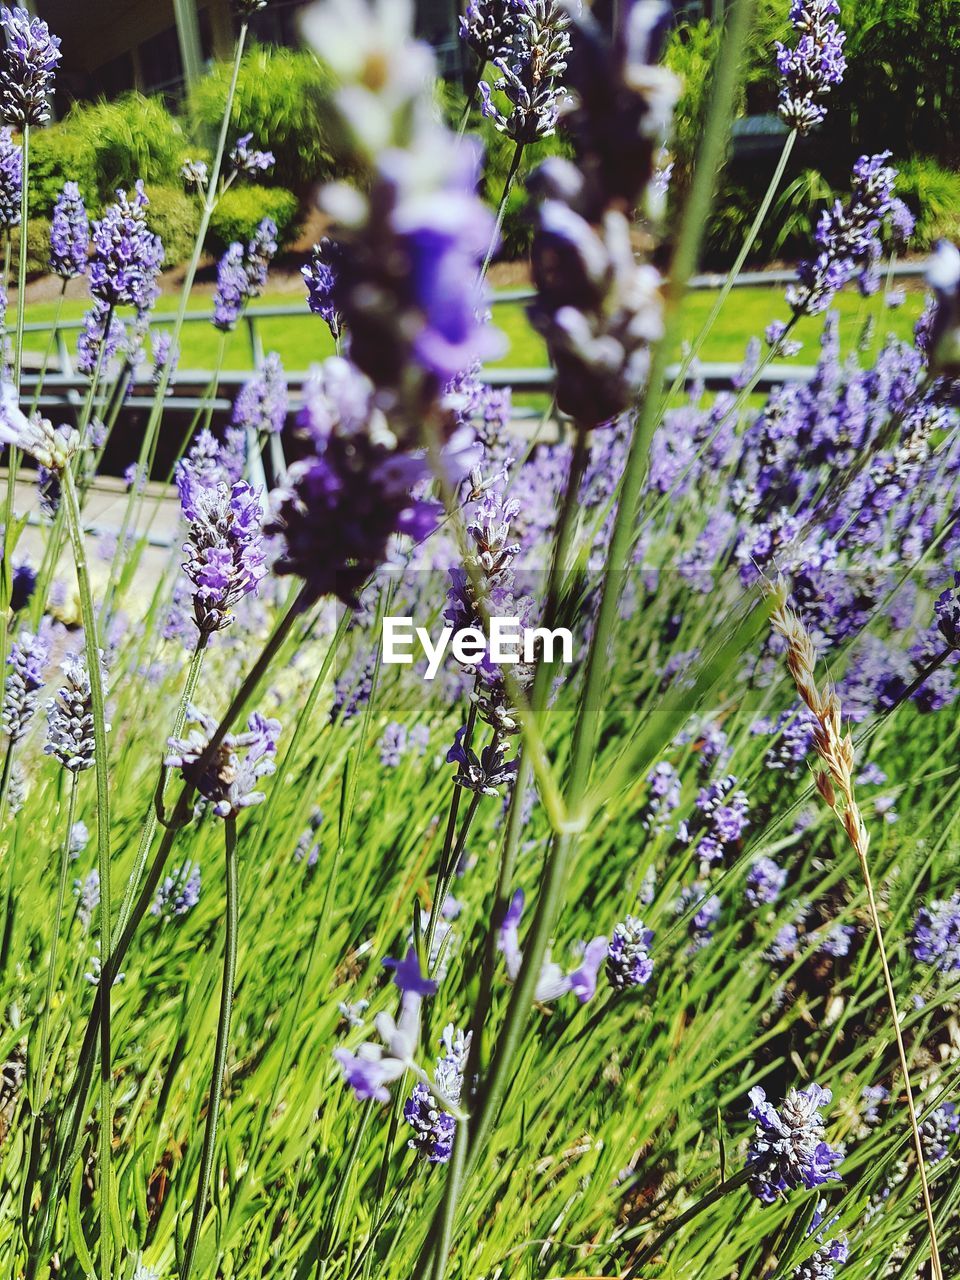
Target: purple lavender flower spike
937 1130
320 275
178 894
127 256
947 613
813 66
392 745
229 780
11 180
263 402
224 548
831 1254
765 882
27 662
874 1096
69 234
407 976
250 161
485 773
433 1126
492 29
789 1148
195 174
87 892
70 735
531 73
28 61
936 934
242 275
628 956
702 922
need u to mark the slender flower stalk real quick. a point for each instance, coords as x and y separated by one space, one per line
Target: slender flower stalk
220 1049
835 751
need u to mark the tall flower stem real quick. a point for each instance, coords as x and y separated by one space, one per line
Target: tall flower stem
502 207
220 1050
48 349
749 241
554 876
95 673
149 828
209 204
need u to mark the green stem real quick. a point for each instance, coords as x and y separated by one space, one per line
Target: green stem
149 828
748 243
57 921
209 204
95 672
220 1051
48 350
710 1199
502 209
22 263
554 877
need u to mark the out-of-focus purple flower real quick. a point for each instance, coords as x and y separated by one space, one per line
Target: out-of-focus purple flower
52 447
434 1127
936 934
79 839
127 256
320 276
27 663
23 586
248 160
195 174
848 239
96 345
11 180
947 613
831 1254
628 957
87 893
937 1130
583 979
531 73
164 357
765 881
224 548
69 234
813 66
339 507
552 982
229 780
789 1148
28 61
775 337
392 745
664 783
719 820
784 947
836 940
70 736
263 402
179 893
703 920
873 1096
308 847
242 275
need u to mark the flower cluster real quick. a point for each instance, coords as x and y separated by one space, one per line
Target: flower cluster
249 160
228 776
765 881
552 982
70 733
628 961
179 893
320 276
937 1129
789 1147
811 68
242 274
719 821
531 71
69 234
29 57
263 402
848 238
703 912
11 181
492 29
27 660
433 1126
127 256
936 934
830 1254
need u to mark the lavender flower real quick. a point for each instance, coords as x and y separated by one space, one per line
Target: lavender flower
374 1066
765 881
263 402
702 922
531 73
552 982
392 745
79 839
11 180
224 547
320 276
628 956
433 1127
195 174
874 1096
813 66
848 237
27 65
52 447
492 28
308 847
242 275
165 357
27 660
69 234
248 160
70 736
789 1147
937 1130
87 891
229 780
339 506
836 940
127 256
179 893
936 934
947 613
485 773
831 1254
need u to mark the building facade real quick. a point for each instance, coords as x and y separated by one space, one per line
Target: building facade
159 46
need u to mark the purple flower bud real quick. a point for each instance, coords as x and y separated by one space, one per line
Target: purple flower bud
263 402
127 256
230 778
242 275
813 66
248 160
789 1148
70 735
28 61
11 180
628 957
320 276
179 893
69 234
27 660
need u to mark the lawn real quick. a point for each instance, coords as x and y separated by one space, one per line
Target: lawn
302 340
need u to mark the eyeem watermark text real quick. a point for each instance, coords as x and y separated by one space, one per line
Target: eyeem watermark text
507 642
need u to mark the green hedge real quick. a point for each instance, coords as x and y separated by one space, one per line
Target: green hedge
59 155
38 246
175 218
241 211
133 137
